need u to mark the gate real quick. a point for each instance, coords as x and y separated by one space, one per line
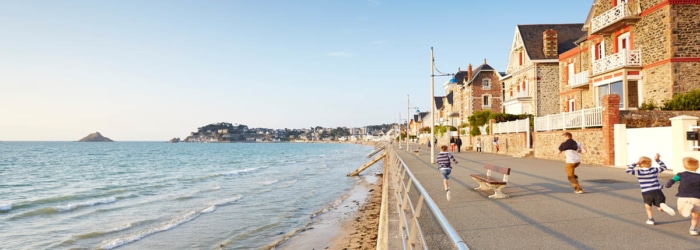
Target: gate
649 141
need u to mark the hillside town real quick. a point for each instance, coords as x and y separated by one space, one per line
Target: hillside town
228 132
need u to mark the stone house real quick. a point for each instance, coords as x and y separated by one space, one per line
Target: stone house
644 51
479 89
531 83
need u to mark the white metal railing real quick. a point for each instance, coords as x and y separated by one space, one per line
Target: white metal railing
576 119
611 16
411 201
579 79
512 126
618 60
518 94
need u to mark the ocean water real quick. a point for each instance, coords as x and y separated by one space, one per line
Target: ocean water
155 195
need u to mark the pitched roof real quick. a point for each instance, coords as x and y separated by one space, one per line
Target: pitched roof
477 71
438 102
449 98
531 35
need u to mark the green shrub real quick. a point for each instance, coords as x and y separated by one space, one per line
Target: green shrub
684 101
648 105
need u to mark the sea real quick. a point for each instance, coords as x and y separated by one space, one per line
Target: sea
157 195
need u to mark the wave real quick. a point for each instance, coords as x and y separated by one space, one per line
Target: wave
69 207
189 216
294 232
5 207
270 182
288 183
65 208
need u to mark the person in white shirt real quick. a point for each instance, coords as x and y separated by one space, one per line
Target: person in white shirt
572 149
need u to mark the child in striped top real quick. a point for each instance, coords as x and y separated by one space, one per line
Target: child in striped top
649 183
443 161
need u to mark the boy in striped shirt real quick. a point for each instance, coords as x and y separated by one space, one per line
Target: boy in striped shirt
443 161
649 183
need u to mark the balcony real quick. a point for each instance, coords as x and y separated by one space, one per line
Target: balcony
624 58
579 80
615 18
518 95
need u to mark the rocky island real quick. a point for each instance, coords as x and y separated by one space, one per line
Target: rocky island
95 137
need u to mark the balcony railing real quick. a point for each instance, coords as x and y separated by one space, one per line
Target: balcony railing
518 94
518 126
624 11
584 118
579 79
624 58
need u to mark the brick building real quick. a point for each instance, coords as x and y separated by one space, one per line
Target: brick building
531 83
644 51
480 89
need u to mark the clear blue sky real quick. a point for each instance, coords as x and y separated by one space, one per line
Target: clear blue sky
153 70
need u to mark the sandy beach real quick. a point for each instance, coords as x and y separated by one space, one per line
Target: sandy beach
351 225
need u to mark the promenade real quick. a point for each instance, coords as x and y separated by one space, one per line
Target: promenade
543 212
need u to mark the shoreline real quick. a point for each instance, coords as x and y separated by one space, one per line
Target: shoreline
353 224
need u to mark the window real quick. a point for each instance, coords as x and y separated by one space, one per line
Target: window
486 102
520 55
611 88
623 42
598 51
570 71
572 105
486 83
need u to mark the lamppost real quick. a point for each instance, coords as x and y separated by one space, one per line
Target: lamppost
432 101
408 107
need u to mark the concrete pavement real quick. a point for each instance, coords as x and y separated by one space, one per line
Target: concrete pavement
543 212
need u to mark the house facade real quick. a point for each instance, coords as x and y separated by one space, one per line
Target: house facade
480 90
644 51
531 81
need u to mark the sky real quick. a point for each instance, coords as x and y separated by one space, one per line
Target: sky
153 70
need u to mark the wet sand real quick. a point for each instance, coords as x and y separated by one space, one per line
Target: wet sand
351 225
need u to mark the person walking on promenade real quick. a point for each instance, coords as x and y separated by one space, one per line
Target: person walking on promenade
572 149
688 192
443 160
648 178
458 141
496 143
478 145
452 143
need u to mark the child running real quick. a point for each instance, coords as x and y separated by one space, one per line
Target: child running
648 178
443 160
688 192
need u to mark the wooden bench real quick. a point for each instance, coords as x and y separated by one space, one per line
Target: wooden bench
488 182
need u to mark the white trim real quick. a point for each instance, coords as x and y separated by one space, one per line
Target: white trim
611 80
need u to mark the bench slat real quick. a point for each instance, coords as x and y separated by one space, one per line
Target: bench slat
502 170
489 180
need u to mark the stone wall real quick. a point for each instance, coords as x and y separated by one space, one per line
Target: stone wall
510 144
651 118
685 35
547 101
688 75
546 145
656 85
652 35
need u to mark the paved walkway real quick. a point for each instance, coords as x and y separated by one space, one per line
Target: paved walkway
543 212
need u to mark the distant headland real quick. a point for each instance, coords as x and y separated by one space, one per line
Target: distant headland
95 137
228 132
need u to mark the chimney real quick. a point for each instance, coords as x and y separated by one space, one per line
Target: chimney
550 42
469 72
